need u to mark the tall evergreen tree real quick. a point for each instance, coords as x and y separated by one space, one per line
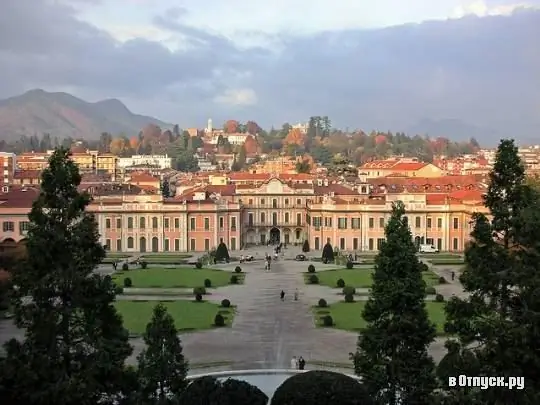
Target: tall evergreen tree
75 345
165 189
498 325
162 366
392 355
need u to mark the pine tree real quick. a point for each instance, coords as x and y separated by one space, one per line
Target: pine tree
498 325
222 252
75 345
392 355
328 253
162 366
165 189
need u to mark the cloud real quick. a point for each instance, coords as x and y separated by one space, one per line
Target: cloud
480 70
237 97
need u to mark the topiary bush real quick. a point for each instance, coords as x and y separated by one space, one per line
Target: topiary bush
424 267
198 297
442 280
125 267
305 246
321 387
144 265
349 290
238 269
234 279
327 320
127 282
349 298
439 298
209 390
340 283
198 265
349 265
313 279
431 291
199 290
207 283
328 253
322 303
225 303
219 320
118 290
222 253
311 268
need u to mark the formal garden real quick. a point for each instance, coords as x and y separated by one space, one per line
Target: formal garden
184 290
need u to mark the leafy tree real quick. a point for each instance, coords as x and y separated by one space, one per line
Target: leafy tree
185 161
222 253
303 167
165 190
392 355
75 345
210 391
305 246
321 387
328 253
502 276
162 367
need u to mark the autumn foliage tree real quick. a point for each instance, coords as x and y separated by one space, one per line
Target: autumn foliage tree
295 137
231 126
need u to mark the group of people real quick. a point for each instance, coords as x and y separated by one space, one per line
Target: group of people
282 295
298 364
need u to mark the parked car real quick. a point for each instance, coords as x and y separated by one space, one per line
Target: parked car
300 258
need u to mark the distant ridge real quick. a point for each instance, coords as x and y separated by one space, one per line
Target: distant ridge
63 115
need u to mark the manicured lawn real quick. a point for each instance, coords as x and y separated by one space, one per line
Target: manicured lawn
181 277
348 316
188 315
359 278
456 261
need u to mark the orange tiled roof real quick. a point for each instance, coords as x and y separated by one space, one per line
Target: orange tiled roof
409 166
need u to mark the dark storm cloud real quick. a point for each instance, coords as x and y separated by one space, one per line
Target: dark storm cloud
44 43
483 71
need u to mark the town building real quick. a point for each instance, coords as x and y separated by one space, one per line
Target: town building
8 163
399 167
134 217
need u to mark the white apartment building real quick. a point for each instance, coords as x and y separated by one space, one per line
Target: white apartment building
158 161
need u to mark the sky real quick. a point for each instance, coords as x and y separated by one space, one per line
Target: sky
185 61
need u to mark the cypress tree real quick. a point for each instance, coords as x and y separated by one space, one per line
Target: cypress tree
392 354
75 345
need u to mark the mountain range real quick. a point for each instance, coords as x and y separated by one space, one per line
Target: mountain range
64 115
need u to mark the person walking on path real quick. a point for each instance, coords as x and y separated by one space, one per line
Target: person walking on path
294 363
301 363
282 295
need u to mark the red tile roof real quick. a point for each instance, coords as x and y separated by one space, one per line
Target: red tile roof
20 197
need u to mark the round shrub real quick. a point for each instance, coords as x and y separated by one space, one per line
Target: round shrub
207 283
313 279
199 290
238 269
125 267
349 265
348 290
439 298
225 303
234 279
349 298
327 320
127 282
321 387
322 303
311 268
340 283
198 265
219 320
424 267
198 297
431 291
144 265
118 290
442 280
